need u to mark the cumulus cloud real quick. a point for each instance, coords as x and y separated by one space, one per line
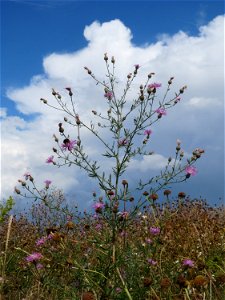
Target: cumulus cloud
192 60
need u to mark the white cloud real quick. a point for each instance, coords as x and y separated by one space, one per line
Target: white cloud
194 60
149 163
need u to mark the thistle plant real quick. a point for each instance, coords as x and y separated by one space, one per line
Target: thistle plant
129 129
125 122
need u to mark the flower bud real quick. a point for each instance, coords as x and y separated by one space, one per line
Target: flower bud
113 60
124 183
44 101
154 197
105 57
54 149
181 195
17 190
94 112
167 192
54 92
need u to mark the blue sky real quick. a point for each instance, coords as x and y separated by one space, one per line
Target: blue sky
36 35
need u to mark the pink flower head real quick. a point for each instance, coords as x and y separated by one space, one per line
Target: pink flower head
190 170
122 142
68 145
69 90
27 175
137 66
47 183
161 111
151 261
188 263
33 257
154 85
41 241
108 95
49 160
98 206
39 266
148 132
155 230
98 227
148 241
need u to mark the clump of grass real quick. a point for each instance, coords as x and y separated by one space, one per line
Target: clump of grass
167 251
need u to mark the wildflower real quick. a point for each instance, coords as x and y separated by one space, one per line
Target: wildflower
27 175
188 263
122 142
47 183
137 66
69 90
118 290
153 197
17 190
167 192
33 257
148 132
39 266
68 145
155 230
98 227
151 261
154 85
98 206
50 159
41 241
190 170
108 95
181 195
148 241
161 112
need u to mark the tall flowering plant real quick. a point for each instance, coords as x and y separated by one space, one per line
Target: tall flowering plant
125 120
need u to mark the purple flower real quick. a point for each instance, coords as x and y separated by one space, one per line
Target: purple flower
122 142
39 266
33 257
154 85
47 183
151 261
98 206
118 290
155 230
137 66
27 175
190 170
108 95
148 241
148 132
41 241
98 227
188 263
161 111
68 145
50 159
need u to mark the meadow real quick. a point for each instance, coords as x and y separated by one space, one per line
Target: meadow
170 251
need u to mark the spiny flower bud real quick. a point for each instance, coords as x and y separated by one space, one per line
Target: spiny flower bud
167 192
129 75
44 100
105 57
61 130
182 89
142 97
69 90
124 183
54 150
55 137
17 190
113 60
181 195
171 80
65 119
150 75
154 197
54 92
77 120
88 70
94 112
